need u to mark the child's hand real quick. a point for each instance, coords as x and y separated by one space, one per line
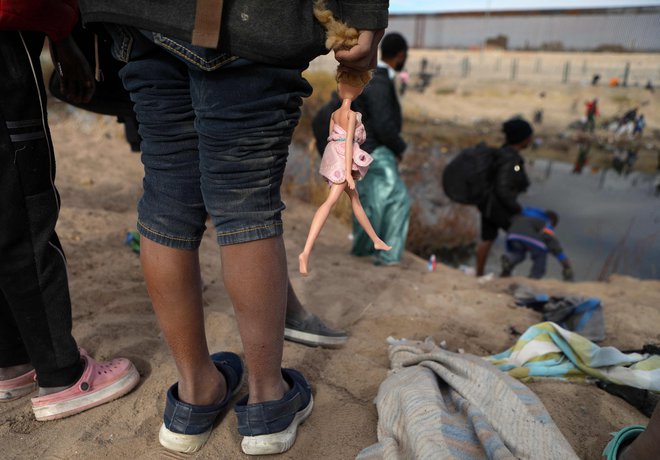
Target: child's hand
76 77
351 182
362 56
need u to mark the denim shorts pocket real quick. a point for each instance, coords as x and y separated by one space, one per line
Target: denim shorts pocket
122 41
202 58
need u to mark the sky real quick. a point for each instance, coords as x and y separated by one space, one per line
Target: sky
438 6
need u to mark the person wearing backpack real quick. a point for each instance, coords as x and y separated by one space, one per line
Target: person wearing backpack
533 232
506 181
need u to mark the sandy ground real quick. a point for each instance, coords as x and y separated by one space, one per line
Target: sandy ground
99 180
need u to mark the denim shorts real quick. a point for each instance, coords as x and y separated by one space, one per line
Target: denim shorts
216 131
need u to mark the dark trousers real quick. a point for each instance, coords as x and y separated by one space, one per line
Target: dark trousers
35 309
517 251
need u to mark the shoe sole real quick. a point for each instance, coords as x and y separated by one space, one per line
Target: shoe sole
74 406
314 340
18 392
185 443
276 443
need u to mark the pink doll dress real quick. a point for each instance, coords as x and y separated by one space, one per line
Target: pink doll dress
333 163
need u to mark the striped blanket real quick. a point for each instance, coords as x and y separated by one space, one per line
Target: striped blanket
436 404
547 350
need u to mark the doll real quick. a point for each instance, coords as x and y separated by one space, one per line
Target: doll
343 163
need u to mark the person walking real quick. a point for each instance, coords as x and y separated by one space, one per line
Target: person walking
510 180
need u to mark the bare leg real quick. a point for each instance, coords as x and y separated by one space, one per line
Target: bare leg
318 222
255 275
362 218
483 249
174 284
294 308
645 446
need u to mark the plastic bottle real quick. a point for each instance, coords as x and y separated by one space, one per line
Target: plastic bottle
432 263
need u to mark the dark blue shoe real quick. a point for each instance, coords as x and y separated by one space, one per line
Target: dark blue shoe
186 427
270 427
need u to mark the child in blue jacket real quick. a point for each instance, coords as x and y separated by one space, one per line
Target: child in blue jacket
532 231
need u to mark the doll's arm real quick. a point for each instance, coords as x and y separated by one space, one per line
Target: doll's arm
332 125
350 133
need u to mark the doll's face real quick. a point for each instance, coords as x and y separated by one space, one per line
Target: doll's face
347 91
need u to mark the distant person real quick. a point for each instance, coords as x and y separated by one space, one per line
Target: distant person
423 65
631 159
538 116
584 147
595 79
626 124
37 348
538 113
649 86
510 180
404 78
592 112
640 124
382 191
533 232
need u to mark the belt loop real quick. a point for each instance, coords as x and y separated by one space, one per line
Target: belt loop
208 19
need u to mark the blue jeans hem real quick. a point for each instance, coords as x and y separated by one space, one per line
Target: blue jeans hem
250 234
170 241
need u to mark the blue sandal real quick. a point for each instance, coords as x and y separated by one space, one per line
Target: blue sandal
622 438
187 427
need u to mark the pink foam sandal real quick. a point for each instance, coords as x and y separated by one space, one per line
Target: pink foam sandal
99 383
18 386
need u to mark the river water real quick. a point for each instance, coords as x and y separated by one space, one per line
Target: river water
609 223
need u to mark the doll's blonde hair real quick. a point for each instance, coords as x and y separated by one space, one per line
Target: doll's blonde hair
340 36
358 80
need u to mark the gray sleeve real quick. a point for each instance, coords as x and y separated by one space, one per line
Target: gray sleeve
365 14
553 244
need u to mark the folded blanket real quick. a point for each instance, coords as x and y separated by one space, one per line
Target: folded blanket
547 350
436 404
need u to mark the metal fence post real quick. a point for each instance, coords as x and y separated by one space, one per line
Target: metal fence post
567 71
466 67
626 73
514 68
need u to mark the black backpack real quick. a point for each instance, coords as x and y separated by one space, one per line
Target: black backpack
468 178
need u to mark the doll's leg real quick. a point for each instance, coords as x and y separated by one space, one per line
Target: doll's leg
317 224
362 218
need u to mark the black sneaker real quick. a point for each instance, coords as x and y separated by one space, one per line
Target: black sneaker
313 332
